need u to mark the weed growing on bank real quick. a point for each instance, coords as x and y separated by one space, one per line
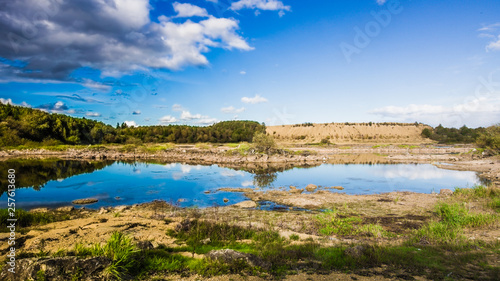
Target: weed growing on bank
449 224
27 219
334 222
490 195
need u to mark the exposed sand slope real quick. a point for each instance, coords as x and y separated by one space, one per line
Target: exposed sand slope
351 133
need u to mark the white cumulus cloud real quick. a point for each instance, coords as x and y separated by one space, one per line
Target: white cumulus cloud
494 45
167 119
93 114
131 123
6 101
491 31
116 37
232 110
197 118
185 10
474 112
254 100
269 5
177 107
186 115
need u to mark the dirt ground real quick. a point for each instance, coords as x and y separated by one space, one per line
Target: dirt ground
340 133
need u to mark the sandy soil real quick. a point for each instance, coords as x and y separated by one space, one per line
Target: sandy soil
340 133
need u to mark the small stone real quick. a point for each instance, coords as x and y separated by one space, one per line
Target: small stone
246 204
338 187
85 201
445 192
39 210
29 268
355 252
311 187
144 245
231 256
65 209
296 191
205 241
225 200
121 208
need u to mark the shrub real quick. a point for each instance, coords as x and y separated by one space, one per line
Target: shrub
490 139
263 143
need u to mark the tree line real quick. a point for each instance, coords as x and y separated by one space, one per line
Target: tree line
25 126
487 138
453 135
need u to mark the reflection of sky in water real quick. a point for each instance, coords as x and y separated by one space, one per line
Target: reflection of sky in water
367 179
185 185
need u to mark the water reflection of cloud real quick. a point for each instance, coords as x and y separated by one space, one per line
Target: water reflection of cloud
79 185
247 183
177 176
170 166
425 172
186 169
232 173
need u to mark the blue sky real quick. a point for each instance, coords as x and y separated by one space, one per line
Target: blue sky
279 62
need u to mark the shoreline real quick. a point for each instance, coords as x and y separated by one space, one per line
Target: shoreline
452 158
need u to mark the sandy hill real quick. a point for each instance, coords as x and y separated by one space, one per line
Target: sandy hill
340 133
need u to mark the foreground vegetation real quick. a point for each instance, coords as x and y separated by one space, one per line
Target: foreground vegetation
439 249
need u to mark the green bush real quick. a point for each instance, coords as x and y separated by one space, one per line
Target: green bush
263 143
490 139
452 135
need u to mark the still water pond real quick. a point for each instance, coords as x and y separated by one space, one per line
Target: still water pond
53 183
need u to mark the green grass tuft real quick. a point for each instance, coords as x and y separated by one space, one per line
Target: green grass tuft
451 220
332 222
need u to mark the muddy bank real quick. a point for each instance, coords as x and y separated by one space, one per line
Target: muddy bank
187 154
447 157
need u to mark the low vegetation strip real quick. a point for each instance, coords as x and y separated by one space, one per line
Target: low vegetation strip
486 138
27 219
